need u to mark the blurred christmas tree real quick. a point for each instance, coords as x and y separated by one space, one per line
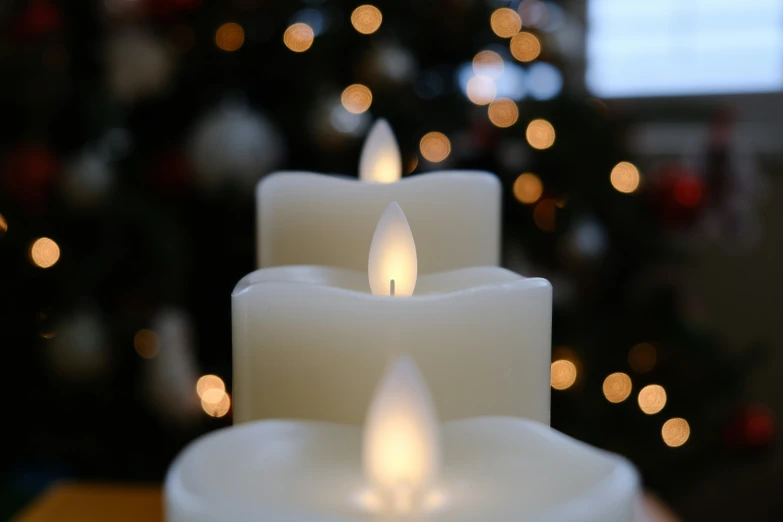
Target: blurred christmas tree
134 132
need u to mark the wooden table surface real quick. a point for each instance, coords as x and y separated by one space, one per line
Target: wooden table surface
131 503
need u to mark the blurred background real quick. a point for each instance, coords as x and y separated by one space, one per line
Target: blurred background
639 145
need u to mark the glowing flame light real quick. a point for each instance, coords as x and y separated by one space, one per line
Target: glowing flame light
393 267
380 161
402 439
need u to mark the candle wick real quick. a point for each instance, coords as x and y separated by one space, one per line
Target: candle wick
391 288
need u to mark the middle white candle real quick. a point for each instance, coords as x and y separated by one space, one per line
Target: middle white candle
310 342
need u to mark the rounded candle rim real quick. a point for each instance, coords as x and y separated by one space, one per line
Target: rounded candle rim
622 479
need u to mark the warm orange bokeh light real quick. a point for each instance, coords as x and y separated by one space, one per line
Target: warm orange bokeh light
44 252
676 432
563 374
625 177
217 405
652 399
540 134
544 215
356 98
642 357
525 47
147 343
299 37
435 146
481 90
366 19
505 22
503 113
488 63
230 36
3 225
528 188
617 387
209 382
412 164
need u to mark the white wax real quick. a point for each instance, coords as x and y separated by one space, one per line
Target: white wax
311 219
312 342
494 470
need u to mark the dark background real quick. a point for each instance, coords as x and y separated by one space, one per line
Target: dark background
130 138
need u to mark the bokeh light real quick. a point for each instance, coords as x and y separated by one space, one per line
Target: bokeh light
366 19
642 357
505 22
298 37
147 343
356 98
563 374
675 432
540 134
652 399
688 191
544 215
435 146
44 252
411 165
525 47
3 225
230 36
503 113
488 63
218 408
209 382
625 177
543 81
528 188
617 387
481 90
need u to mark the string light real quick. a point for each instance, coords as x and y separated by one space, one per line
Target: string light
528 188
625 177
617 387
525 47
481 90
356 98
544 215
676 432
503 113
44 252
435 146
540 134
488 63
147 343
3 225
505 22
219 407
563 374
230 36
366 19
642 357
209 382
299 37
652 399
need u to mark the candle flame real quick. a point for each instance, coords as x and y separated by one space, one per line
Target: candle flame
402 439
380 161
392 267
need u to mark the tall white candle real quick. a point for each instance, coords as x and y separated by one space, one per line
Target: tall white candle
406 467
313 219
310 342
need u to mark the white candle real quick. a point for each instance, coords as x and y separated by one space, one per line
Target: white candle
405 467
310 342
313 219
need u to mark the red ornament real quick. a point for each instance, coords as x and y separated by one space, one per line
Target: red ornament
753 427
28 176
678 195
41 17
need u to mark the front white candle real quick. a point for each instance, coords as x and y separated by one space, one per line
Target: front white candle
406 467
311 342
311 219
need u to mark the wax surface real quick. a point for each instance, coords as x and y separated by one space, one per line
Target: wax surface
312 342
495 470
313 219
